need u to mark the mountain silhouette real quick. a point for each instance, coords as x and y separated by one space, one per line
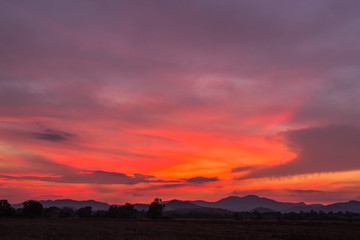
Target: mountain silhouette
248 203
141 206
351 206
60 203
232 203
170 205
178 204
306 208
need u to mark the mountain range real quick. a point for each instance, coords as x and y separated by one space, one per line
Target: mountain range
232 203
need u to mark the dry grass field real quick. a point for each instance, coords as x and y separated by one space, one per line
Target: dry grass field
78 229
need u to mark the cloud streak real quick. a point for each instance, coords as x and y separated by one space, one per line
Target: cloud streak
89 177
52 135
201 180
60 173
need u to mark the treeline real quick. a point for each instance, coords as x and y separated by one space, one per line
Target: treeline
34 209
263 216
300 216
200 213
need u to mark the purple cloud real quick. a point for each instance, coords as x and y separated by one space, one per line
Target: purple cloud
89 177
52 135
200 179
72 65
62 173
242 169
321 149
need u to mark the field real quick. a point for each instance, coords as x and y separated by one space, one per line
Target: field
77 229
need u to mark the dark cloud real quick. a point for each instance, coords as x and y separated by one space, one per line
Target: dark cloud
200 179
88 177
52 135
242 169
174 185
66 174
320 149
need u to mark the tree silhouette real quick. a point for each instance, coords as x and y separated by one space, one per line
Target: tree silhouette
156 209
32 208
5 209
51 212
66 212
85 212
124 211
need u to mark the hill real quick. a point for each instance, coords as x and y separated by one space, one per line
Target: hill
247 203
60 203
232 203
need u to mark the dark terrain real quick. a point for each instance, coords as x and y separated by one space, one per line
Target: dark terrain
232 203
78 229
248 218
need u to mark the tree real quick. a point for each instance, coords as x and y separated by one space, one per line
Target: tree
5 209
85 212
51 212
124 211
156 209
101 214
32 209
66 212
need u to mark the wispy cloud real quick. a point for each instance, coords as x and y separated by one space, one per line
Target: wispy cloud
53 135
242 169
200 179
61 173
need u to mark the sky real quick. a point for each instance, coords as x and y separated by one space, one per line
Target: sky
126 101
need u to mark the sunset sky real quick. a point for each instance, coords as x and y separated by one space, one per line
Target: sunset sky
128 100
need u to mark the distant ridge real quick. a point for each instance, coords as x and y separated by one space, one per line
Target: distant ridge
351 206
170 205
178 204
231 203
248 203
60 203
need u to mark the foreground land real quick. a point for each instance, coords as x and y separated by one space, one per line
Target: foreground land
78 229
